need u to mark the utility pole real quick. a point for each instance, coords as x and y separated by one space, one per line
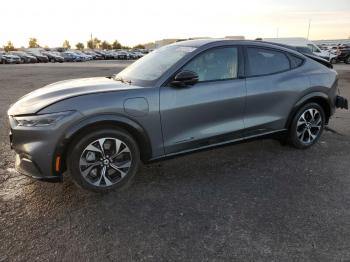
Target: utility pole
277 31
308 29
92 44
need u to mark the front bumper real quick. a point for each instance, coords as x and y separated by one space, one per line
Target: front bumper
25 166
36 148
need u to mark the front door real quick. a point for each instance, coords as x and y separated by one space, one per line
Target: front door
209 112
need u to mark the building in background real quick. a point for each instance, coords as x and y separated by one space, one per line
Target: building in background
235 37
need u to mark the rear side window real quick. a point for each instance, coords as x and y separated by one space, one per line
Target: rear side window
265 61
295 61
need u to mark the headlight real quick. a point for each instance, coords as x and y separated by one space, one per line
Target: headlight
41 120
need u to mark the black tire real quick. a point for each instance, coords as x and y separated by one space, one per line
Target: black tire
3 62
334 61
78 147
347 60
294 137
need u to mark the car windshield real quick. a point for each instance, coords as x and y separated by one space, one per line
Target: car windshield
153 65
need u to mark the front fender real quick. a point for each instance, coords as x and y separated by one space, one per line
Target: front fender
95 121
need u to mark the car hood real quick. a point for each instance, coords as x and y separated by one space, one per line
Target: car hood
50 94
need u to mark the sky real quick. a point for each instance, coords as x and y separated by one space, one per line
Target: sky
132 22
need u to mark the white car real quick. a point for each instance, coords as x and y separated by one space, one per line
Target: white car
302 42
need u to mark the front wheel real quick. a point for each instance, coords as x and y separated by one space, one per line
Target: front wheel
103 160
307 126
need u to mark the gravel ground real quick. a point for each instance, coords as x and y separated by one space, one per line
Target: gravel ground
257 201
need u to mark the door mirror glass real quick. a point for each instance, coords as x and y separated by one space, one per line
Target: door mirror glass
185 78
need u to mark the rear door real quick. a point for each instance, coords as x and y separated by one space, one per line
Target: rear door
209 112
274 82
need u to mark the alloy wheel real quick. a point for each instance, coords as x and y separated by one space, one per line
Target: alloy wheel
105 162
309 125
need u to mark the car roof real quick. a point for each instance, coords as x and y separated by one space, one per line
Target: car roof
217 42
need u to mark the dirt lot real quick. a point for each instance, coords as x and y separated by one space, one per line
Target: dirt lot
258 201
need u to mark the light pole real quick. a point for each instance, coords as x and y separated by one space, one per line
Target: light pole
308 29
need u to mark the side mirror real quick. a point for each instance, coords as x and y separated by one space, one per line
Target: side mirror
185 78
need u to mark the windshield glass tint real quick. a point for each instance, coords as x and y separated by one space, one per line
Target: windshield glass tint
153 65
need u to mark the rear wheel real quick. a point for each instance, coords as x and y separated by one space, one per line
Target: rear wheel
333 61
347 60
103 160
307 126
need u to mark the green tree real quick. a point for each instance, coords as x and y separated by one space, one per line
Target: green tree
94 43
33 43
66 44
116 45
139 46
106 45
9 46
79 46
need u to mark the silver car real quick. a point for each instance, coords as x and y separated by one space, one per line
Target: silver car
180 98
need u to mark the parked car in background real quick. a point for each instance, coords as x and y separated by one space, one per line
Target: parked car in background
303 42
104 54
167 104
25 58
71 57
53 56
40 57
84 56
138 54
344 55
122 55
132 55
94 55
7 58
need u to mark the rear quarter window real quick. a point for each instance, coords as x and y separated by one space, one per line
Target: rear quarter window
265 61
295 61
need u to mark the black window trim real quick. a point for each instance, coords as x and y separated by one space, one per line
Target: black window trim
287 54
240 61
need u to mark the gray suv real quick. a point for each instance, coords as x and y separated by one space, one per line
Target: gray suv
180 98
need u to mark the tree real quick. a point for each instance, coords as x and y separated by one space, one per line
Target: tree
9 46
116 45
106 45
33 43
79 46
66 44
94 43
139 46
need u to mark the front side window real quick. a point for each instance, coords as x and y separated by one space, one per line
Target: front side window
265 61
215 64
